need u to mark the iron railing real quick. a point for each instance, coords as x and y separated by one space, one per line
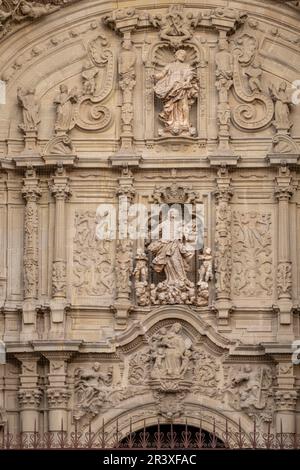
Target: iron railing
161 437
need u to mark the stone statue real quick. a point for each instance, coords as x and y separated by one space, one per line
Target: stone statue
30 109
177 87
205 271
224 70
64 112
170 250
282 100
171 353
140 272
89 74
173 253
205 275
127 61
254 73
224 61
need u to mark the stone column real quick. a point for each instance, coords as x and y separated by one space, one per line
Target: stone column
285 396
124 25
31 193
57 392
286 411
124 258
283 193
60 191
223 260
29 394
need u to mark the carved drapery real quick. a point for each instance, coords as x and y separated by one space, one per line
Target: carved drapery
31 193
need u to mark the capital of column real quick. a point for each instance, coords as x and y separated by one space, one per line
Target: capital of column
284 189
284 193
60 189
58 397
286 400
29 398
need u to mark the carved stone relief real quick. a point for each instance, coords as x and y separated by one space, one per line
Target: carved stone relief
252 254
250 388
93 273
257 109
91 389
13 13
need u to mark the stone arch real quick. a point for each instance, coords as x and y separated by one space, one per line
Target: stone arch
143 413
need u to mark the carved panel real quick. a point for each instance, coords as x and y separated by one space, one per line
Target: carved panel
93 262
252 273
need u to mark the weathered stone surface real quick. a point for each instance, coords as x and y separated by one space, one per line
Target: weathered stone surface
118 121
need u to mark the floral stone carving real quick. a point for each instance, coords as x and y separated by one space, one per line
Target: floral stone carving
92 260
252 254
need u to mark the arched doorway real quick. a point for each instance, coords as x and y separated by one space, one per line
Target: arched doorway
171 436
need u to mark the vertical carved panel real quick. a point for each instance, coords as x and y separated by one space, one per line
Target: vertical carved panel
252 254
92 259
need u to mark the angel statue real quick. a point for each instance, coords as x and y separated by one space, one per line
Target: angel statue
177 87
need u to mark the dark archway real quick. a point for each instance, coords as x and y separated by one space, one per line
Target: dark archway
172 436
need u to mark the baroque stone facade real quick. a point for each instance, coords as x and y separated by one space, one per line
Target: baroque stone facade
149 214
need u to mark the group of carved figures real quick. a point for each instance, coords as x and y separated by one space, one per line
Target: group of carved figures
173 365
176 86
172 254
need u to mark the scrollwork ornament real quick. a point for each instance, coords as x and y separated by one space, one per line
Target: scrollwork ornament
257 109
